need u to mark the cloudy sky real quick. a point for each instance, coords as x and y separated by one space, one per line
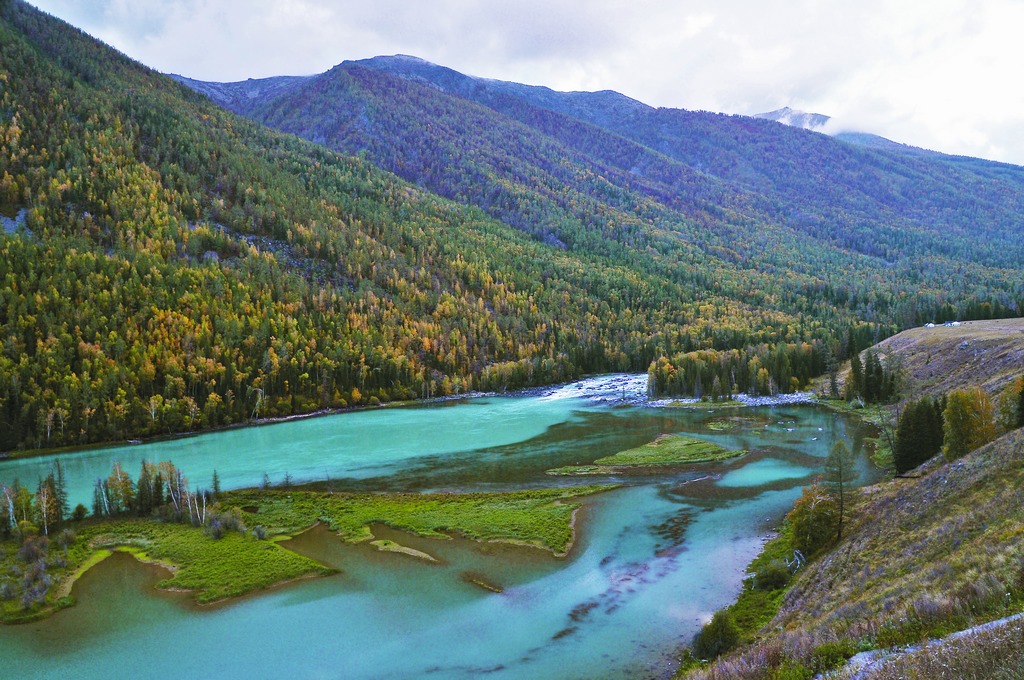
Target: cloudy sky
943 74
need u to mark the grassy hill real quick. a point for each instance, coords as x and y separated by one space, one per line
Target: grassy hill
937 360
920 558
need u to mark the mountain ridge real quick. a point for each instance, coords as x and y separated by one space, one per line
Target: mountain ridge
733 160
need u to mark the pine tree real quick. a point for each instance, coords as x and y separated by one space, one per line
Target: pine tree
918 435
1020 409
60 488
855 386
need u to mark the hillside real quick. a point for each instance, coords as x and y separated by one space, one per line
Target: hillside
178 267
937 360
949 554
923 555
774 216
760 194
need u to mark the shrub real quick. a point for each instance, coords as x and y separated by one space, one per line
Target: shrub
718 636
772 576
792 670
815 520
7 591
65 538
215 529
831 655
34 549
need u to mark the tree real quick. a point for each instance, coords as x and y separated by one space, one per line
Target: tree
1009 405
1020 408
8 519
718 636
968 422
815 520
61 491
120 490
46 505
840 474
918 435
855 385
215 485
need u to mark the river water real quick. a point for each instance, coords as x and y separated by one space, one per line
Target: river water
653 558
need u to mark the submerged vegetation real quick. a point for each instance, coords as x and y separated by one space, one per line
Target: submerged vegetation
668 450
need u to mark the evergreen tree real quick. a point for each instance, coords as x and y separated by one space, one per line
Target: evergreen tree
855 386
873 378
918 435
145 499
60 488
1020 409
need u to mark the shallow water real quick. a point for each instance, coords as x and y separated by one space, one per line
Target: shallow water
653 559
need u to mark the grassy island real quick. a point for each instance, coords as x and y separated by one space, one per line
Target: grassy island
237 550
668 450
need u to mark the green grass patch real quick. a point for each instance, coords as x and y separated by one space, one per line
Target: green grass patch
214 569
538 517
385 545
666 450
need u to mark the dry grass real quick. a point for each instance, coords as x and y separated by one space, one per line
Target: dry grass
993 654
938 360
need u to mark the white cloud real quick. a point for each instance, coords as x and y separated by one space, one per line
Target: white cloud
941 75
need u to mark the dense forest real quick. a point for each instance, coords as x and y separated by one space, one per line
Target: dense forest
170 266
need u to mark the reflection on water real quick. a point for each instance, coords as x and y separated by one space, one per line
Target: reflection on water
652 561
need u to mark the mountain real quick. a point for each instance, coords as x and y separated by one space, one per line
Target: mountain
170 266
559 165
798 119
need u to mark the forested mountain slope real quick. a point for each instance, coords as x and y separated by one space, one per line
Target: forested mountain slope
167 265
876 229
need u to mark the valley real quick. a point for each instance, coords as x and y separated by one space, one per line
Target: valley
394 371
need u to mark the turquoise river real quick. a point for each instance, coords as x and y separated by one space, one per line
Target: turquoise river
652 560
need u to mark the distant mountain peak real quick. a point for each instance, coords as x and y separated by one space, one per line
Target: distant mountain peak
795 118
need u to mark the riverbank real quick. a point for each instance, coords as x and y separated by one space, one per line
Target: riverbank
959 529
